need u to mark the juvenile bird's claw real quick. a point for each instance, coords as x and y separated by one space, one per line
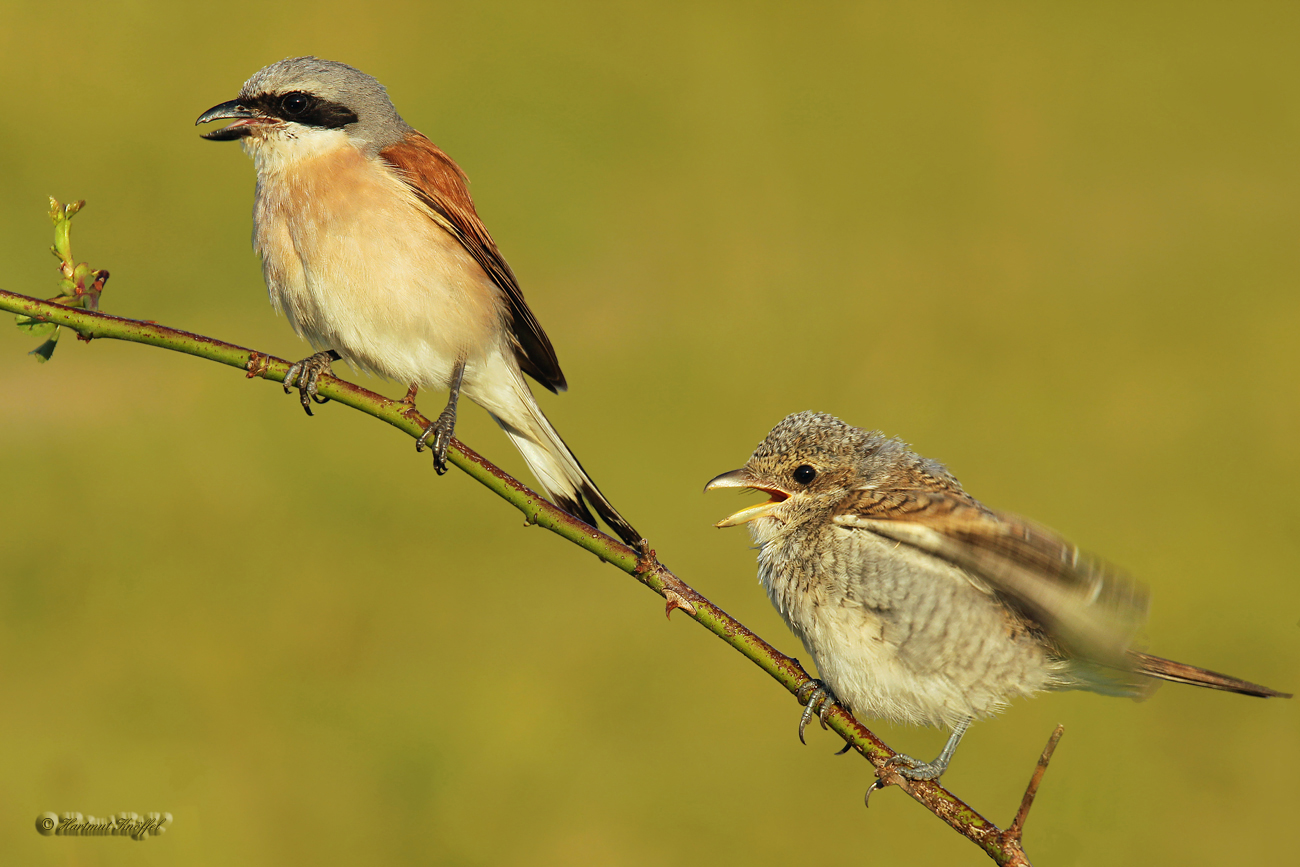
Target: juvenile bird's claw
816 699
907 767
306 374
915 769
877 783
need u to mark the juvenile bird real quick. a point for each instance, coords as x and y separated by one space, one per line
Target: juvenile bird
371 247
921 605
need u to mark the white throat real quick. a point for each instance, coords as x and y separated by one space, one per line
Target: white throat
283 147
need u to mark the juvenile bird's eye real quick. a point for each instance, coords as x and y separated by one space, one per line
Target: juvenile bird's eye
804 474
294 103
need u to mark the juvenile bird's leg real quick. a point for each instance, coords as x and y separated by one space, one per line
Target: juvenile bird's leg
816 698
307 372
917 770
445 425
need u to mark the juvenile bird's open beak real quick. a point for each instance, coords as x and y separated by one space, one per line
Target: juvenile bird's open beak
742 479
245 120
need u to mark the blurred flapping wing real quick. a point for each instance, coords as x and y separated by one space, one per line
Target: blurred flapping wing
1080 604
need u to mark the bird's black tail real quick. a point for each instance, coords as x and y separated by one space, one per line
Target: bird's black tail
561 476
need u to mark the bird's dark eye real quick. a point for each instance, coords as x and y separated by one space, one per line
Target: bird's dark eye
295 103
804 474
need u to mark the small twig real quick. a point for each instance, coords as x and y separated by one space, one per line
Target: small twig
1018 824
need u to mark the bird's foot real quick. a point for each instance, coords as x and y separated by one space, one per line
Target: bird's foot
441 430
906 767
816 698
915 769
306 374
445 425
912 769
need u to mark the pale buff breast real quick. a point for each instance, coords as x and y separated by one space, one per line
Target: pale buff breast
355 262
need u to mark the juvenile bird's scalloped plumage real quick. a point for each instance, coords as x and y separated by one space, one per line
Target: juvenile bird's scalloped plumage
921 605
896 633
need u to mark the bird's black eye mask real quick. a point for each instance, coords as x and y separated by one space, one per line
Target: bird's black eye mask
301 107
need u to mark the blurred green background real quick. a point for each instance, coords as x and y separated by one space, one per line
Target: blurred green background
1053 245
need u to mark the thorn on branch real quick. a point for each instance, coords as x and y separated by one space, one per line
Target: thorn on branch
258 364
531 511
675 601
675 591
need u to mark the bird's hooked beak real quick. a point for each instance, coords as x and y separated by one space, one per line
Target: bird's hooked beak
246 120
742 479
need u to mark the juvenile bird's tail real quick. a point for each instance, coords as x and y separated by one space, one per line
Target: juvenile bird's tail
557 470
1167 669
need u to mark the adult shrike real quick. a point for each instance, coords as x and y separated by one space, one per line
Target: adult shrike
371 247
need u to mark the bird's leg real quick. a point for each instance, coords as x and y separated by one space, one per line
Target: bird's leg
917 770
306 374
816 698
445 425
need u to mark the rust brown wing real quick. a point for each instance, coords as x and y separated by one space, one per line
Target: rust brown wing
1080 603
443 187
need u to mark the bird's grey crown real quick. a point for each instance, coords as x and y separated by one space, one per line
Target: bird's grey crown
378 124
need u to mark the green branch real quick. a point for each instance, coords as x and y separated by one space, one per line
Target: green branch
34 314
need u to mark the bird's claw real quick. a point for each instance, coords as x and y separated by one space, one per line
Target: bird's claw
915 769
907 767
816 699
306 375
441 431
